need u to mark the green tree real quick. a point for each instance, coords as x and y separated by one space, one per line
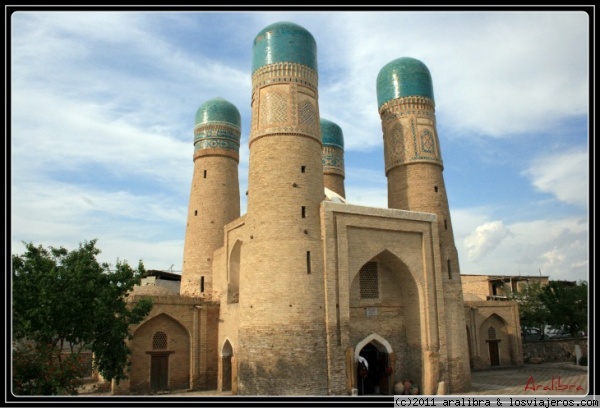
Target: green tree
532 311
65 302
566 305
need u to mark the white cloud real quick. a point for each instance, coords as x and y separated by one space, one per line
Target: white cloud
558 247
485 239
565 175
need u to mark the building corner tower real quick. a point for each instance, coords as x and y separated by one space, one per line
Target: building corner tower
333 157
215 193
413 166
282 346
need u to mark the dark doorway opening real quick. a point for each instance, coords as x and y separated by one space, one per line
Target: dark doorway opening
494 352
159 370
226 373
372 381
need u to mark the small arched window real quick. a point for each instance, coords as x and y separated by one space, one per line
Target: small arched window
492 333
159 341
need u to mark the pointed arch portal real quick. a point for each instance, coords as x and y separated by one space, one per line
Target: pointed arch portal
374 357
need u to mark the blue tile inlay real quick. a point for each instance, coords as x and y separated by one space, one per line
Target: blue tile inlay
284 42
218 110
332 134
403 77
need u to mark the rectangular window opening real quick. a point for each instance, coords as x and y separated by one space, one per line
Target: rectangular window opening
449 270
204 173
308 262
202 284
303 212
303 169
435 188
445 224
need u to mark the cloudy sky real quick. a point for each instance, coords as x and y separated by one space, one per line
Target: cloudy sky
102 107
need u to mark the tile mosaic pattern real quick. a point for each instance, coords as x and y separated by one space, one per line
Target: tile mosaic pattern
333 160
331 133
284 42
218 110
218 126
403 77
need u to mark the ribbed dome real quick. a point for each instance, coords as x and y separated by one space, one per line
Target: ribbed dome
332 134
218 110
284 42
403 77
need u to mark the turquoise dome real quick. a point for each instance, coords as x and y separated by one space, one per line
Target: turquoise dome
284 42
332 134
403 77
218 110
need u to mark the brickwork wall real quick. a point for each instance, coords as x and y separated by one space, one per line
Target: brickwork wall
475 286
229 307
335 183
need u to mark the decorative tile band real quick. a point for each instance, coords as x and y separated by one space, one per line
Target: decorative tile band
410 103
333 160
284 108
216 136
285 72
409 132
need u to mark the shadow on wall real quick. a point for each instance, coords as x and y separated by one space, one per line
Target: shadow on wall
275 379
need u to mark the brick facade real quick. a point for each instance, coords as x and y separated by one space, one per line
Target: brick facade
299 288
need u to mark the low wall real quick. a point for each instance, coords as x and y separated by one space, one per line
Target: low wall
559 350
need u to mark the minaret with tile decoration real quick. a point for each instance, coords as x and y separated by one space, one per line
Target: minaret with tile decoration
215 193
413 166
282 346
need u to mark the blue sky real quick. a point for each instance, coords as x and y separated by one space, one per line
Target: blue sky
102 109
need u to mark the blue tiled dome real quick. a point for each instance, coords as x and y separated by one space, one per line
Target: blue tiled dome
403 77
332 134
284 42
218 110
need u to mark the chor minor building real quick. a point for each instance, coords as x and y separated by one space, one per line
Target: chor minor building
289 297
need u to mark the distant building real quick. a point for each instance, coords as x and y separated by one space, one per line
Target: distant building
494 287
493 323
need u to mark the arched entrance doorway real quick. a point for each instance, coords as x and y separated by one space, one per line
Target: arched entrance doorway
226 356
375 360
493 347
373 368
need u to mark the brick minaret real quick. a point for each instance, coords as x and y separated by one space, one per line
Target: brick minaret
215 194
282 346
333 156
413 165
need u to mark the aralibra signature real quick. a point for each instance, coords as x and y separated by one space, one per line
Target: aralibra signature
555 385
